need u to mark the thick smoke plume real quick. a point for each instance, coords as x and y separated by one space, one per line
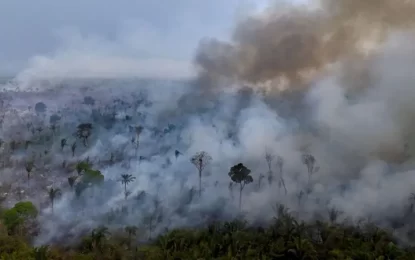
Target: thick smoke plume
287 47
314 150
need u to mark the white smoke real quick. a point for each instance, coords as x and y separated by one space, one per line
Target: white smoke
359 138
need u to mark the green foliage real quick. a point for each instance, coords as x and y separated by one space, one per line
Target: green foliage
41 253
125 180
89 176
93 176
241 175
26 209
82 166
285 238
11 219
16 216
12 247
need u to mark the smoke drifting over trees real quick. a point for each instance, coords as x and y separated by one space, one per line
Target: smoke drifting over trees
286 47
345 141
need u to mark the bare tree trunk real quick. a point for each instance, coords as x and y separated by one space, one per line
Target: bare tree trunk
129 240
200 183
150 229
240 196
283 185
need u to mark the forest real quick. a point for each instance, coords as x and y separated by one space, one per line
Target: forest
285 238
59 177
293 140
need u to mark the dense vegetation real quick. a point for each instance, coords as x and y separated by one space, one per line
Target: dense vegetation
286 238
53 178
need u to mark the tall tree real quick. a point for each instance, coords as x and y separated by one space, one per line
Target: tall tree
131 231
280 165
63 143
269 158
260 178
200 160
53 127
53 194
21 214
73 148
125 180
136 139
154 217
310 162
83 132
98 236
240 174
29 167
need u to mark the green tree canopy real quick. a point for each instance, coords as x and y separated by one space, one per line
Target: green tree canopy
16 216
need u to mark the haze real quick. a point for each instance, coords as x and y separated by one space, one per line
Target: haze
139 37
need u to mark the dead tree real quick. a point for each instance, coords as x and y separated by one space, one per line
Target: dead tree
280 165
269 158
200 160
136 139
310 163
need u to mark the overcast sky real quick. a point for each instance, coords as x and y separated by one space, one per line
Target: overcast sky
106 36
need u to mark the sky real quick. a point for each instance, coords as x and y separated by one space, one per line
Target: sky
108 37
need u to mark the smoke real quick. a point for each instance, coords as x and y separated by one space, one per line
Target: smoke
128 39
287 47
88 56
362 140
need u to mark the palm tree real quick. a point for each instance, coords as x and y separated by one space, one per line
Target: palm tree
29 168
128 193
53 194
98 235
125 180
131 231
